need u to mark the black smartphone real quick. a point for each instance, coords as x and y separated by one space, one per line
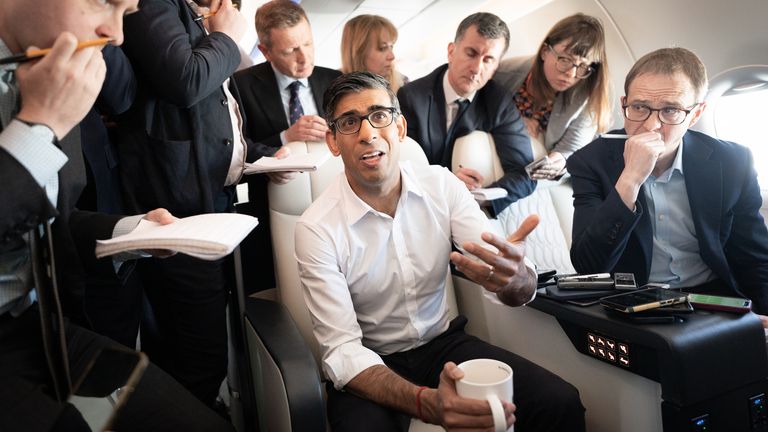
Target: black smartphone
544 275
643 299
105 385
624 281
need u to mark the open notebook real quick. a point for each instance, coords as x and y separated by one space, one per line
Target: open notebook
207 236
299 162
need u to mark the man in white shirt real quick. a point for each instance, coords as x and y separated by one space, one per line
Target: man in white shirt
373 255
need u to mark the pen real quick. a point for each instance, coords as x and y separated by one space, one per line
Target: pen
204 16
590 276
37 53
616 136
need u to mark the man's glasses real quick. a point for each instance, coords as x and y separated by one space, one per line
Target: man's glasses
565 64
667 115
348 124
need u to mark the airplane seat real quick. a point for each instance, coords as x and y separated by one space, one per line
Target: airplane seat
549 245
277 325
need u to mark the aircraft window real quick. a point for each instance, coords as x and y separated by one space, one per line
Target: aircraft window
739 116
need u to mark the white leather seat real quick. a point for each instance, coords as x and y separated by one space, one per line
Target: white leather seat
549 245
287 203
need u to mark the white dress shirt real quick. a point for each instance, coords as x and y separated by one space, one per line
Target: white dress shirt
375 285
676 257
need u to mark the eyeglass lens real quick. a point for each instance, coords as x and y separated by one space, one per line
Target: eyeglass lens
351 123
667 115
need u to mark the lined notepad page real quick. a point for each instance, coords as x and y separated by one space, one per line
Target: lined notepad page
299 162
207 236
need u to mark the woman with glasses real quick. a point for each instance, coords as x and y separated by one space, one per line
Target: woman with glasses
367 44
562 92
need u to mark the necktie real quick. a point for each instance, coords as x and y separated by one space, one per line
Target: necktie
9 96
461 106
295 111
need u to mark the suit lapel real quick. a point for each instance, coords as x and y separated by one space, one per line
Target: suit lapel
265 89
317 86
436 119
704 185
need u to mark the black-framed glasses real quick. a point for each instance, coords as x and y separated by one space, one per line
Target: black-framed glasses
667 115
565 64
348 124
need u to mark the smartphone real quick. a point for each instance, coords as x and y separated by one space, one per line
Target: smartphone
601 281
643 299
538 163
726 304
625 281
105 385
544 275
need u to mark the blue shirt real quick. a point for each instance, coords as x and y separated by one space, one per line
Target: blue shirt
676 259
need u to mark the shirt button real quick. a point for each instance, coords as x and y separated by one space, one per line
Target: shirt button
661 217
227 142
224 102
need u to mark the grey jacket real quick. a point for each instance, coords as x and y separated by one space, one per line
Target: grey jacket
571 126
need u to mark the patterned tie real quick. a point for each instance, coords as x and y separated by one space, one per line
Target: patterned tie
295 111
9 95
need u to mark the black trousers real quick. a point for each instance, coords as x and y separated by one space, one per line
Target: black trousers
545 402
188 337
26 402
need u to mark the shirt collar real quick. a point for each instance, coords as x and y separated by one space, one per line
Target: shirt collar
355 208
677 165
450 93
283 81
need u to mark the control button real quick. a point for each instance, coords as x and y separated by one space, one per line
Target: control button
623 348
611 356
600 341
601 352
592 350
624 360
610 344
591 338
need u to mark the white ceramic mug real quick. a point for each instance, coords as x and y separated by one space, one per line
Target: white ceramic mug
490 380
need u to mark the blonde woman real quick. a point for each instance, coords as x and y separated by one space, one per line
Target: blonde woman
367 45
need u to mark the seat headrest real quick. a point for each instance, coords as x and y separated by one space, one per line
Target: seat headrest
295 196
477 151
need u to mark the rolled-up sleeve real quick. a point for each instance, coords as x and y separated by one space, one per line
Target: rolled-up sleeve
330 306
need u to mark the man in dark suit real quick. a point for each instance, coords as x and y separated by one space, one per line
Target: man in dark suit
181 147
41 173
460 97
668 204
285 39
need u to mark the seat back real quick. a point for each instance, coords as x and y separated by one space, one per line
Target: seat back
286 204
549 245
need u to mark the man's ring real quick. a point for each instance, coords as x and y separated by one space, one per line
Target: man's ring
490 273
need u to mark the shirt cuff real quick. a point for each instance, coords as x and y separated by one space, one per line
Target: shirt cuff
347 361
34 149
282 138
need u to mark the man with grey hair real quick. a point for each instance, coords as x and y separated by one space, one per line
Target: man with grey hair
460 97
377 297
669 204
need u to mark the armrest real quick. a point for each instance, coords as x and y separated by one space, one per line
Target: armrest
287 385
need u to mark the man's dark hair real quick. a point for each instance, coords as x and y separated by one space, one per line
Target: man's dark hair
487 25
354 82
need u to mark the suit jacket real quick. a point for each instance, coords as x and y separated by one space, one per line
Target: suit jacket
492 110
724 197
176 142
571 126
263 105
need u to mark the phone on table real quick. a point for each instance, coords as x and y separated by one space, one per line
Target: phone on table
105 385
719 303
597 281
643 299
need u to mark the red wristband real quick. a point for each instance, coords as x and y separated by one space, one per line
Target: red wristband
418 403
